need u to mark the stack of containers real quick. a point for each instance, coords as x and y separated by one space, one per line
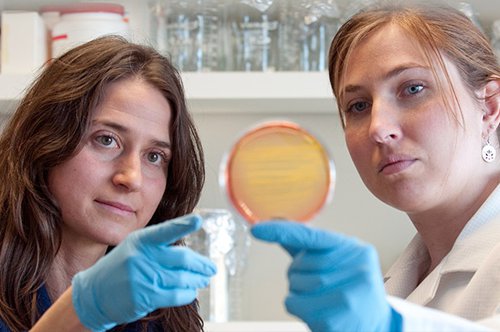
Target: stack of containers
30 38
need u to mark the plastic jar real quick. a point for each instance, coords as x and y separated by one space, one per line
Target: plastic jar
82 22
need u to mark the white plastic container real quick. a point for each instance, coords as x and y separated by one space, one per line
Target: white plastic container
23 39
82 22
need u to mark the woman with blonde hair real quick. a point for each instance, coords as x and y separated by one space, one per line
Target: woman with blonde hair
418 92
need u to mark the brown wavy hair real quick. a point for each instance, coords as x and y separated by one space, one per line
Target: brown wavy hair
437 29
46 130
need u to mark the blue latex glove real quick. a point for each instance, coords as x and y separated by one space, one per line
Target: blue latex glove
140 275
335 282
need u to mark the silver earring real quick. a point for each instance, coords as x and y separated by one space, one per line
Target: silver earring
489 152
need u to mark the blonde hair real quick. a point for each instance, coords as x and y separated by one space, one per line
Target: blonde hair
438 30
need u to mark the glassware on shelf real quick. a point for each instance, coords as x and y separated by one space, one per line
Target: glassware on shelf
191 32
306 30
468 10
353 7
495 40
254 25
225 240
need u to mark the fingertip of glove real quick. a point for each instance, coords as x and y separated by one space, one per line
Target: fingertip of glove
213 269
267 227
256 230
192 221
262 231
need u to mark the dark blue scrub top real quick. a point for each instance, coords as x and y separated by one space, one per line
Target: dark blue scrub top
44 303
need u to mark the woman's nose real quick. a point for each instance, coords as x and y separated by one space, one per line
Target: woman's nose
384 123
128 173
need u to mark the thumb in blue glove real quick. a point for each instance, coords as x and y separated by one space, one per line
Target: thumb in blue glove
335 282
140 275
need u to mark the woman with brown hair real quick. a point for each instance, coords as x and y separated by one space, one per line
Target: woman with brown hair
418 92
100 146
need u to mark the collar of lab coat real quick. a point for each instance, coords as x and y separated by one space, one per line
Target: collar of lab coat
478 238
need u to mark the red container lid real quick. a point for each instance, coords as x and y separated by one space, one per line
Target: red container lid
85 7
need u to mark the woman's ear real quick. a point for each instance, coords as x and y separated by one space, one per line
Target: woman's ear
491 104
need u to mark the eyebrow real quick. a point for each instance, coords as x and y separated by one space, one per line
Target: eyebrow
123 129
391 73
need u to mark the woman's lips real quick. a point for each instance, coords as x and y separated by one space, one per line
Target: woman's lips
116 206
393 167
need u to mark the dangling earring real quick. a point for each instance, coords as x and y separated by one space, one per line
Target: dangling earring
489 152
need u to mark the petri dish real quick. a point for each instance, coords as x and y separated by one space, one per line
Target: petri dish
277 170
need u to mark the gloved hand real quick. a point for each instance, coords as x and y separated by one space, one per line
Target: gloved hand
140 275
335 283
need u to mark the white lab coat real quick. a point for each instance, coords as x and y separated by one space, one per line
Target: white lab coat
464 287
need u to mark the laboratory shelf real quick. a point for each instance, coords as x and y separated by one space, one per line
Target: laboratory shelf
228 92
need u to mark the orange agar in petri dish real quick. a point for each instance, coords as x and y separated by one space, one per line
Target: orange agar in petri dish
278 170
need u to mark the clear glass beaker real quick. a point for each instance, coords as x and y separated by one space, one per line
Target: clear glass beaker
306 30
254 25
191 33
225 240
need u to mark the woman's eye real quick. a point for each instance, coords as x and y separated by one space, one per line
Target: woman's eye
106 140
156 157
357 107
414 89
